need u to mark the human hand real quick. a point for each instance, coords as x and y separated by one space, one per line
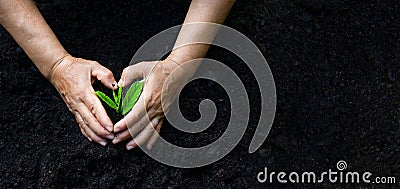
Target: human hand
162 81
73 79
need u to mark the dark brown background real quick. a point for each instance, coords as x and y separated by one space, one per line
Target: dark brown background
335 63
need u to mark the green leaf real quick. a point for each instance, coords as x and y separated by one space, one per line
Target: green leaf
119 110
131 97
115 98
106 99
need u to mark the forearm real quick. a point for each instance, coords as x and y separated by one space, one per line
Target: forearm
24 22
210 11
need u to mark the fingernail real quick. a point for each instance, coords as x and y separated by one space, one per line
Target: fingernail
103 143
116 140
110 136
89 139
154 122
129 147
110 128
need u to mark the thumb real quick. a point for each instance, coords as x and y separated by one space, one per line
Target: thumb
104 75
130 73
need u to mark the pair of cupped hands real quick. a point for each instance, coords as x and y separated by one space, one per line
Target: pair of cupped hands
73 78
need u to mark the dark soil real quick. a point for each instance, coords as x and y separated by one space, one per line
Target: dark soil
336 66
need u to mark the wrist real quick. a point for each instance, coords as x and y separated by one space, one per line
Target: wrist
58 66
47 63
189 64
178 58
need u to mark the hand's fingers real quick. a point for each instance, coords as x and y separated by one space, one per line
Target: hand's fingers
139 125
127 133
130 73
133 129
120 125
92 123
86 135
143 136
154 137
104 75
80 121
96 108
138 111
89 133
121 136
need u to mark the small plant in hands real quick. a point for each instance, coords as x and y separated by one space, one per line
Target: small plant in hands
129 100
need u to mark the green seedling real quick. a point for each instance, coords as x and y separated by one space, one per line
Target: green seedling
130 99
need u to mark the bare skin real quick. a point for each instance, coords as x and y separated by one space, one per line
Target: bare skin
72 77
149 111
